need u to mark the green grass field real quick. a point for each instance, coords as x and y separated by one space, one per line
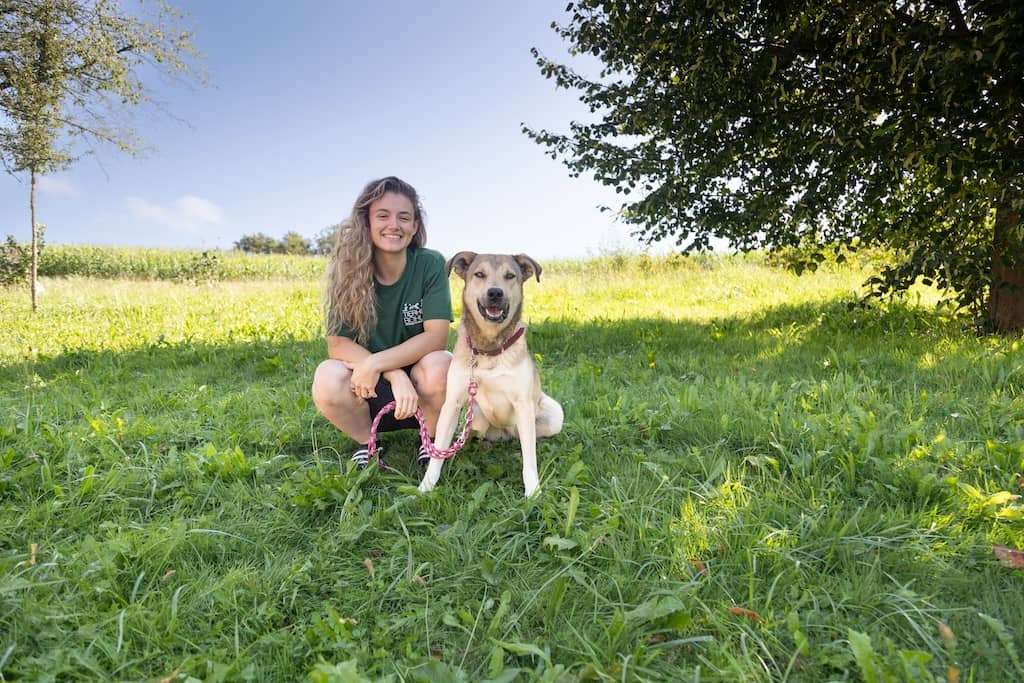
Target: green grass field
756 482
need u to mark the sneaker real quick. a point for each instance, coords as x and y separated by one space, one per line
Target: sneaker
361 457
423 456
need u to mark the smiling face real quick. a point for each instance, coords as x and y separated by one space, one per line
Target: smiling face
392 222
493 295
495 285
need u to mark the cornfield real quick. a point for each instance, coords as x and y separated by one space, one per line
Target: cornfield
173 264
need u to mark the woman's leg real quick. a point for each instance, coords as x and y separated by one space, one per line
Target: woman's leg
334 399
430 376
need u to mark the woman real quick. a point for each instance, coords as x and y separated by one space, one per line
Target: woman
387 308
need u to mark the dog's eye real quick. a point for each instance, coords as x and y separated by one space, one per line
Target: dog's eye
510 275
479 273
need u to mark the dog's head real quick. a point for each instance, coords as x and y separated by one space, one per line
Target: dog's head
493 294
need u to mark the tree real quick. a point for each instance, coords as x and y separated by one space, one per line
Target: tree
66 68
323 241
260 243
294 243
32 106
813 124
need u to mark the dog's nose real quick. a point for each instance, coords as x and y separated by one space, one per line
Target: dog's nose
495 295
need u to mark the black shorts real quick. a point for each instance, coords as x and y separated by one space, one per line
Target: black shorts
388 423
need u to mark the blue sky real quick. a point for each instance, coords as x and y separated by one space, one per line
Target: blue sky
308 100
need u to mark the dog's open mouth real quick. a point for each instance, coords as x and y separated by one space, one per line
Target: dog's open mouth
493 314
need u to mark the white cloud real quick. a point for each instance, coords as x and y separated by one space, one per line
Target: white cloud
57 186
184 214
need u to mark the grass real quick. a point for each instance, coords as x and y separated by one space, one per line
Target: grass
756 481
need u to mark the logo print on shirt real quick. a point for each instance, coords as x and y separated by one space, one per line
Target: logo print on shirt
412 314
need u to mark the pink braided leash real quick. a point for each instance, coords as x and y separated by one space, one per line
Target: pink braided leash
439 453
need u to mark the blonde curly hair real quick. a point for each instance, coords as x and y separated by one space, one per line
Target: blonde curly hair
349 298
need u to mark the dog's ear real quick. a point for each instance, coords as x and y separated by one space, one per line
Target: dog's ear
460 262
529 267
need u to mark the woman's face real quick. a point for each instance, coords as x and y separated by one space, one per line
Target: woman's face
392 222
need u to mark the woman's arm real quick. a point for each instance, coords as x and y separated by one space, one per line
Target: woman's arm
433 338
368 367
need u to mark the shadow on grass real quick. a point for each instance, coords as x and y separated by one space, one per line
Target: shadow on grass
256 394
814 379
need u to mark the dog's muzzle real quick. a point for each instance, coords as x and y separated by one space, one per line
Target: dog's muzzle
494 307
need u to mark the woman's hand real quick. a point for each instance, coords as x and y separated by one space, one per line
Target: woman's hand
406 398
365 376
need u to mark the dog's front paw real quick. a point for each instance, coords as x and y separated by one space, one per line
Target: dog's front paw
431 476
532 487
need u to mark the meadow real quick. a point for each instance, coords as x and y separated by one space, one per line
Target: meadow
759 479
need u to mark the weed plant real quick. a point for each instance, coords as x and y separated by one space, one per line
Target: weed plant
758 480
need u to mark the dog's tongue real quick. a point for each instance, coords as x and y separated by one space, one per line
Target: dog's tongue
494 312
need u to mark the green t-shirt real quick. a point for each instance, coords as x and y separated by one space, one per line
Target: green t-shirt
421 293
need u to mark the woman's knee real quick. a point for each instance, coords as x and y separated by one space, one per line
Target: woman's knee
329 383
431 372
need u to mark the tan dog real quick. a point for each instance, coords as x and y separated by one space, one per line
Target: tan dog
491 350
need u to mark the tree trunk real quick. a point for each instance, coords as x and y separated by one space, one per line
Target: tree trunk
1006 293
35 241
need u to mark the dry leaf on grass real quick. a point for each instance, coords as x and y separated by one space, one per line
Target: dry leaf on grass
369 567
744 612
1009 558
948 638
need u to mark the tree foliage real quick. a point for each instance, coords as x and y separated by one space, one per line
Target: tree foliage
808 123
324 241
296 244
261 243
31 66
86 61
258 243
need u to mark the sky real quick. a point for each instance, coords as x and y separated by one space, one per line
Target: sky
308 100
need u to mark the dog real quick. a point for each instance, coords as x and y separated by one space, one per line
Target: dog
490 349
